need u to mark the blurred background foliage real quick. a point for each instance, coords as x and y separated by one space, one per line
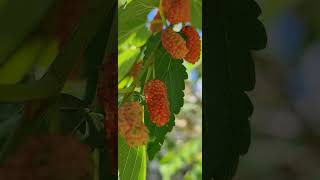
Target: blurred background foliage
286 121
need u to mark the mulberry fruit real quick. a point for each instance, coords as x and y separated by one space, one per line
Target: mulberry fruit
137 135
193 44
156 23
131 126
174 44
179 11
166 5
136 69
157 102
129 114
49 157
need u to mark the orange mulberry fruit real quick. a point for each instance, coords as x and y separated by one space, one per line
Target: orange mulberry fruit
155 92
129 114
179 11
131 126
137 135
156 23
193 44
174 44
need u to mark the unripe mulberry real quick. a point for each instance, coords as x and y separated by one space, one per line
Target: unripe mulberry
155 92
174 44
131 126
136 69
137 135
193 44
49 157
129 114
179 11
156 23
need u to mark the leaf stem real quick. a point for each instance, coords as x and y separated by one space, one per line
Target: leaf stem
162 14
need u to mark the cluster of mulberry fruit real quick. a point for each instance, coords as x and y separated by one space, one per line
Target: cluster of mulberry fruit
176 11
130 124
180 48
184 45
155 92
51 157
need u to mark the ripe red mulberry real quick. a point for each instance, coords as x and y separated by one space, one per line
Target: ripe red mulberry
193 44
174 44
179 11
157 102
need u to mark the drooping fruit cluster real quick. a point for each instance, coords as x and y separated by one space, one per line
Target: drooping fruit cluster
176 11
178 47
155 92
156 23
130 124
193 44
174 44
51 157
187 46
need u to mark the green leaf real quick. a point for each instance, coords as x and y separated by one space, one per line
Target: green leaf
18 19
76 118
172 73
94 56
132 161
196 13
22 61
235 32
133 17
125 62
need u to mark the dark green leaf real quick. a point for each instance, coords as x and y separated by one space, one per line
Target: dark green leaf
94 55
234 33
173 74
